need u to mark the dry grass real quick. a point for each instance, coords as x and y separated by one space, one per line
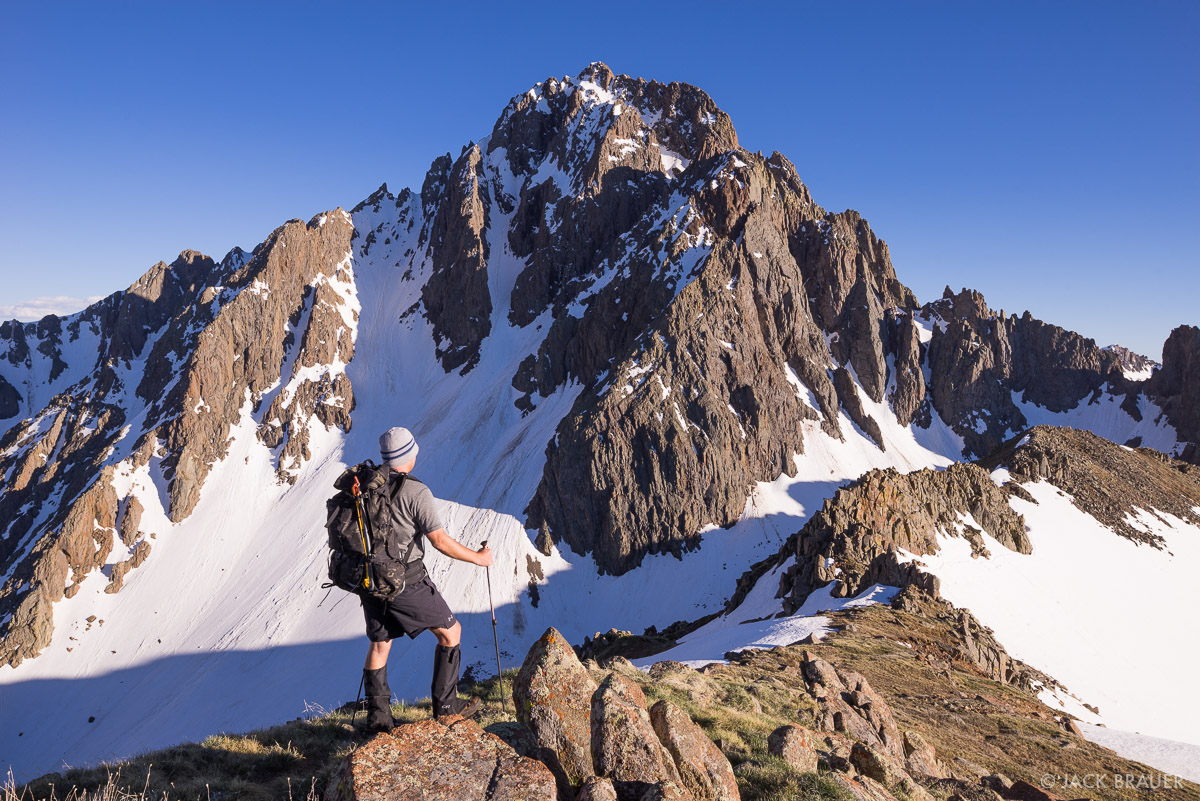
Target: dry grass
293 761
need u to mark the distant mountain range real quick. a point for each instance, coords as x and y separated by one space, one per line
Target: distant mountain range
636 356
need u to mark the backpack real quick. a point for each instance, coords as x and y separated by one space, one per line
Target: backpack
367 556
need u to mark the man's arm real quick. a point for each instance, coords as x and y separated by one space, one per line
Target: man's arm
439 539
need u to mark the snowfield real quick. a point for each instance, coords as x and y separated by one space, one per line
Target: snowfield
1108 618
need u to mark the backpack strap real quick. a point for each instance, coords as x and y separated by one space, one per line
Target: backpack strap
396 491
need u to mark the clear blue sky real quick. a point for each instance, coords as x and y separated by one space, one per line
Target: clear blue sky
1044 153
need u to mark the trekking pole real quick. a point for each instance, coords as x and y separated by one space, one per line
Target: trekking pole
495 636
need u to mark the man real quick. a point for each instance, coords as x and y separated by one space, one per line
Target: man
420 606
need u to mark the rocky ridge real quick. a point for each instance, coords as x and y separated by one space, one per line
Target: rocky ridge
1114 484
181 358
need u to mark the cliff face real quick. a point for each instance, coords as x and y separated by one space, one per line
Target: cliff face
982 362
1177 385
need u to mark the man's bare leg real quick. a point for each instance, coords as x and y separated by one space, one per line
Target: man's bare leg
449 637
377 654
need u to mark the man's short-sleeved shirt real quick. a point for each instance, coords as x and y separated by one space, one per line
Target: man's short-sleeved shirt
414 512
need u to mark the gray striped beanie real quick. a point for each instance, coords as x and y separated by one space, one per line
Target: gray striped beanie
397 446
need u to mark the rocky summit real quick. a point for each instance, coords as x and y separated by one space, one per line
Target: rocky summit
634 353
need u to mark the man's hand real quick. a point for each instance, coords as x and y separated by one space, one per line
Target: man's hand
483 557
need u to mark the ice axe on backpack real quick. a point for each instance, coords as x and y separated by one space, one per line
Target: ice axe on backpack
495 636
364 531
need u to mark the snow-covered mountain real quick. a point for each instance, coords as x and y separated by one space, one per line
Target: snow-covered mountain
615 334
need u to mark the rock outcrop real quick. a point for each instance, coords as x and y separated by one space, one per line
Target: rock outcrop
856 539
634 753
625 746
435 761
1176 386
553 697
703 770
980 360
795 745
1113 484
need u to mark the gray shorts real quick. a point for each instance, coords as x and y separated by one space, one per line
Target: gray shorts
419 607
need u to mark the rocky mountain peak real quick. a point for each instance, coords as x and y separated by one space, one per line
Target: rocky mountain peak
1137 367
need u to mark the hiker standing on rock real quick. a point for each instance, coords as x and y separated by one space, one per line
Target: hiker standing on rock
399 512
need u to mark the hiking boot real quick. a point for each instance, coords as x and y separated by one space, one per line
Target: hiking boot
467 708
378 700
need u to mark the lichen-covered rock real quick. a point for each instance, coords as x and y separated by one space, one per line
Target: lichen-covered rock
625 747
919 756
597 789
668 666
703 769
553 697
667 791
796 746
874 708
429 760
878 764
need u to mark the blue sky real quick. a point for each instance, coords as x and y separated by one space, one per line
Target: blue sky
1041 152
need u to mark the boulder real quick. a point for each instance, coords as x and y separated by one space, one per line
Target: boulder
667 667
440 761
871 707
553 697
818 671
620 664
919 756
597 789
796 746
878 764
667 791
625 747
704 770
